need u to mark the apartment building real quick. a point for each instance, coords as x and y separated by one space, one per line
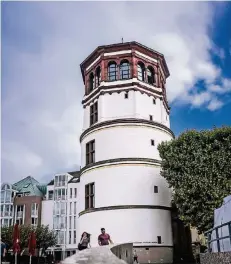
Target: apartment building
21 202
59 211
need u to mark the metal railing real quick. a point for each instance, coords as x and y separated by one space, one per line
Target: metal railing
208 234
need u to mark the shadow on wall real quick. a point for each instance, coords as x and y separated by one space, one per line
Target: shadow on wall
124 252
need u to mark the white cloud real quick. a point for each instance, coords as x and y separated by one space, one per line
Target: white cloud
224 87
215 104
41 107
200 98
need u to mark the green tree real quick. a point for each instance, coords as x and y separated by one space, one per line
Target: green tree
198 167
44 237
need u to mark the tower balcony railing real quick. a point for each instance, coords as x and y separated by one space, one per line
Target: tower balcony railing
218 238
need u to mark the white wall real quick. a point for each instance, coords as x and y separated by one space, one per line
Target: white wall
47 213
124 142
129 225
74 215
137 105
126 185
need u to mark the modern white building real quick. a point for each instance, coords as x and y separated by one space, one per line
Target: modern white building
59 211
119 186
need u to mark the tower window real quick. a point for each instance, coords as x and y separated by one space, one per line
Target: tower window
124 70
141 71
112 71
150 75
90 152
151 118
152 142
89 196
154 101
159 240
91 82
126 95
156 189
98 76
94 113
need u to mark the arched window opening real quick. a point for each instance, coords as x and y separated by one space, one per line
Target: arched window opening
98 76
124 70
112 71
141 71
91 82
150 75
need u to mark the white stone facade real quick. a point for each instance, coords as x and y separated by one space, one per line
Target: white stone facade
126 166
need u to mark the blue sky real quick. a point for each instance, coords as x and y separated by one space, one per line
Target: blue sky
43 44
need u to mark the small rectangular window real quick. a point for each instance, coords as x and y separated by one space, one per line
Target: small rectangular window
75 192
90 152
94 113
126 95
69 237
70 192
152 142
154 101
50 195
34 221
159 240
89 196
151 118
155 189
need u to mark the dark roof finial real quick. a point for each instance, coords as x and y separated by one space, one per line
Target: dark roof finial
122 40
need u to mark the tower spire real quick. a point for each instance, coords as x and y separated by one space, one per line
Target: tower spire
122 40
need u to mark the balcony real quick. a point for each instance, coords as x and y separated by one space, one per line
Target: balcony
19 214
6 214
34 212
60 184
60 197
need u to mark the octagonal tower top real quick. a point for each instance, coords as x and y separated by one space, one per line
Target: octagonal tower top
119 63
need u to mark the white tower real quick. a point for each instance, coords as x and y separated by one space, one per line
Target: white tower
126 116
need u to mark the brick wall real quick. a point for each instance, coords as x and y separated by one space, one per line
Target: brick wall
28 201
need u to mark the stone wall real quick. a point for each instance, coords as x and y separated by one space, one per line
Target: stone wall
216 258
155 254
124 252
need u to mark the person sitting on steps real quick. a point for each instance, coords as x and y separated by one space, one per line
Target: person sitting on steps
84 241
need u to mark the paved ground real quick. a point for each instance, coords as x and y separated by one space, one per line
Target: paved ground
98 255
